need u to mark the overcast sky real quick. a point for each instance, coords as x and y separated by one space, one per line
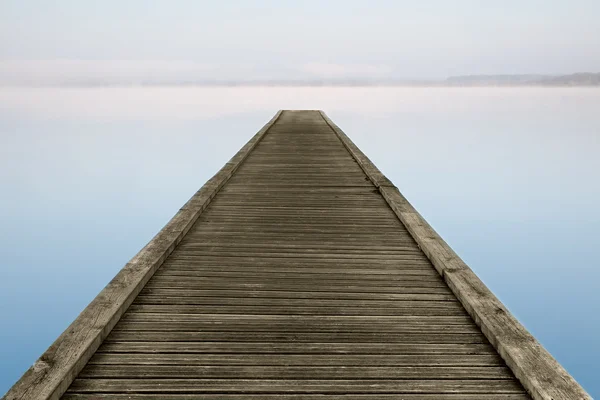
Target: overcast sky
45 40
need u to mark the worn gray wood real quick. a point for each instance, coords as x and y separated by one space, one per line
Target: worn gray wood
334 386
263 396
135 371
54 371
164 304
294 273
387 330
480 360
299 337
534 366
400 294
294 348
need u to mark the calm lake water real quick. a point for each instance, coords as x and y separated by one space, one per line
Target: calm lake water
510 177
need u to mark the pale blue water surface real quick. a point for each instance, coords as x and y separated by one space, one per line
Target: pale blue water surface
510 177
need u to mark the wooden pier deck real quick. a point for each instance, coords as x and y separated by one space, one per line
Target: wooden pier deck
298 272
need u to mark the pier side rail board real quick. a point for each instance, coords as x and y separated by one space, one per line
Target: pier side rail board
536 369
50 376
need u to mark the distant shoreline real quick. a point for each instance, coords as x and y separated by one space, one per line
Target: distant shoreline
299 85
582 79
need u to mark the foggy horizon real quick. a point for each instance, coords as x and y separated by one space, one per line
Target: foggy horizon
83 73
49 43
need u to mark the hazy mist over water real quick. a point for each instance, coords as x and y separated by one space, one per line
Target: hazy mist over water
508 176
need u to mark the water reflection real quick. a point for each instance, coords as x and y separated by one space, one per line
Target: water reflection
509 177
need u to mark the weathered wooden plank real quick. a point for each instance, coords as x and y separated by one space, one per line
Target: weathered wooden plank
327 226
534 366
297 257
446 305
296 287
283 309
297 328
263 396
287 199
330 229
338 254
364 220
292 372
293 386
299 202
344 360
390 274
282 294
408 262
410 267
338 275
230 239
438 337
283 191
369 239
315 281
328 247
306 184
368 348
283 320
53 372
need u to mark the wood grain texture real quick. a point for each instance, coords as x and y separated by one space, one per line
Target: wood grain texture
310 360
367 348
534 366
248 336
227 396
127 371
284 386
298 278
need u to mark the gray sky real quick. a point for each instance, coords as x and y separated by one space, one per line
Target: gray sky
43 40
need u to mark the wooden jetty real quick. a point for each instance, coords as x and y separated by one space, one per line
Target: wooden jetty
297 272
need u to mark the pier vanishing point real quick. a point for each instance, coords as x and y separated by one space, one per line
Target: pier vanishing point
297 272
